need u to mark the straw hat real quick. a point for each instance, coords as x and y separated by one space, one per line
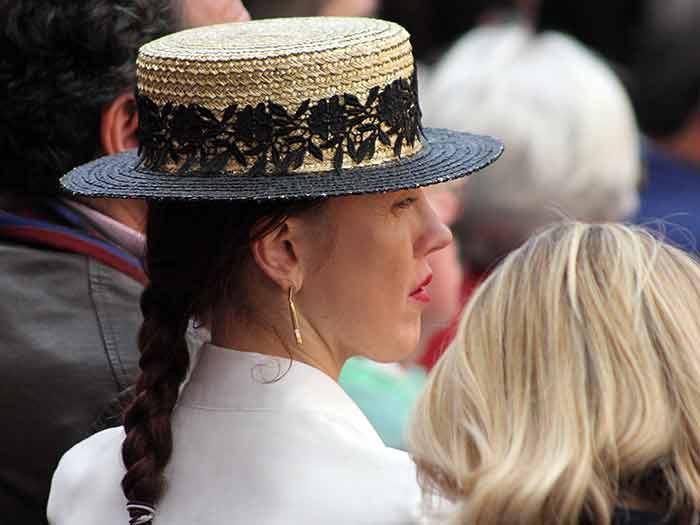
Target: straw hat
283 108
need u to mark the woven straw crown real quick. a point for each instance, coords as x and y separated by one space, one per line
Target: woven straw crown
283 61
293 60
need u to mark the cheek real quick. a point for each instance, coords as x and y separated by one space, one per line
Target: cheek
395 317
365 291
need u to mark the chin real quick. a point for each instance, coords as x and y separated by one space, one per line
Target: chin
396 349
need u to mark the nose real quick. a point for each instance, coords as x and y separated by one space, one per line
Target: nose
435 235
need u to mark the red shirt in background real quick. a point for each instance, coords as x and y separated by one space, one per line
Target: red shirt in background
440 341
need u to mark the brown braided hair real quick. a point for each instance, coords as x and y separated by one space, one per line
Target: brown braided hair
194 255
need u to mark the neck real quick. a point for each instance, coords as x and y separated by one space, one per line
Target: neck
129 212
275 339
426 333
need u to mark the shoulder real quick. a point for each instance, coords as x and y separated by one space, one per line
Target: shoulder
47 309
87 480
380 480
49 264
341 474
73 313
19 260
382 485
58 279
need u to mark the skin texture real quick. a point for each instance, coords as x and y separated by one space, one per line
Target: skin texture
354 264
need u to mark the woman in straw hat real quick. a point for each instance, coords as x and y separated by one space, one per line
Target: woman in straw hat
572 391
283 161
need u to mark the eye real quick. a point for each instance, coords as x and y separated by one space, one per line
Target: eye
405 203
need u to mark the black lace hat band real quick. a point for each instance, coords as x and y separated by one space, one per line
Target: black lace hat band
331 133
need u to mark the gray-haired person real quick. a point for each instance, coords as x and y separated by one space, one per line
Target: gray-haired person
572 140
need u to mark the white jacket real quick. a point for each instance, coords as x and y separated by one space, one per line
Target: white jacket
248 449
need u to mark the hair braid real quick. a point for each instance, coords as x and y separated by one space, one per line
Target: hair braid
193 266
164 362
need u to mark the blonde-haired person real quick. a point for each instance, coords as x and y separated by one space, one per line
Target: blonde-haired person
572 391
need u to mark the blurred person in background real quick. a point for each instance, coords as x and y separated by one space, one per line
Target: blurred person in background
654 46
570 395
665 89
70 270
572 144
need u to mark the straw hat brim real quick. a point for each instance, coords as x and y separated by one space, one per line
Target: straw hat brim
446 155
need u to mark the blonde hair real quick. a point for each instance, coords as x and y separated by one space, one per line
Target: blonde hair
573 385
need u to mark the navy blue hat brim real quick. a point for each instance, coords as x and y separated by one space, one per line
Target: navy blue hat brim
446 155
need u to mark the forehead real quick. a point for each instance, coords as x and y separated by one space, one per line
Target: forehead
362 217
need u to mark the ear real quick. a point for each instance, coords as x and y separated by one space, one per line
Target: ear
119 124
277 256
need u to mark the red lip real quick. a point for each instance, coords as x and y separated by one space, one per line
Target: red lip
420 294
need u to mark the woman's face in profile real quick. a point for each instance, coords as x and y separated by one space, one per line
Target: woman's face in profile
367 291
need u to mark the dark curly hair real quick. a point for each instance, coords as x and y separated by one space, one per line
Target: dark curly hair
61 63
195 253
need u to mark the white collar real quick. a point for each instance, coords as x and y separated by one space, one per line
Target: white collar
230 380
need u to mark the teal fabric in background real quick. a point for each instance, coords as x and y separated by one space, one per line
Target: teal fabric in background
385 393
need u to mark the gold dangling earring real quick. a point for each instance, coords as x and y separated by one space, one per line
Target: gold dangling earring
295 319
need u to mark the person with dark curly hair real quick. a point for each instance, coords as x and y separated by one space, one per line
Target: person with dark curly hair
70 273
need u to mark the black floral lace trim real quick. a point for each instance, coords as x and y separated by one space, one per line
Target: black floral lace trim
268 139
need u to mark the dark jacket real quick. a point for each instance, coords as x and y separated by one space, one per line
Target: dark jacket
68 327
